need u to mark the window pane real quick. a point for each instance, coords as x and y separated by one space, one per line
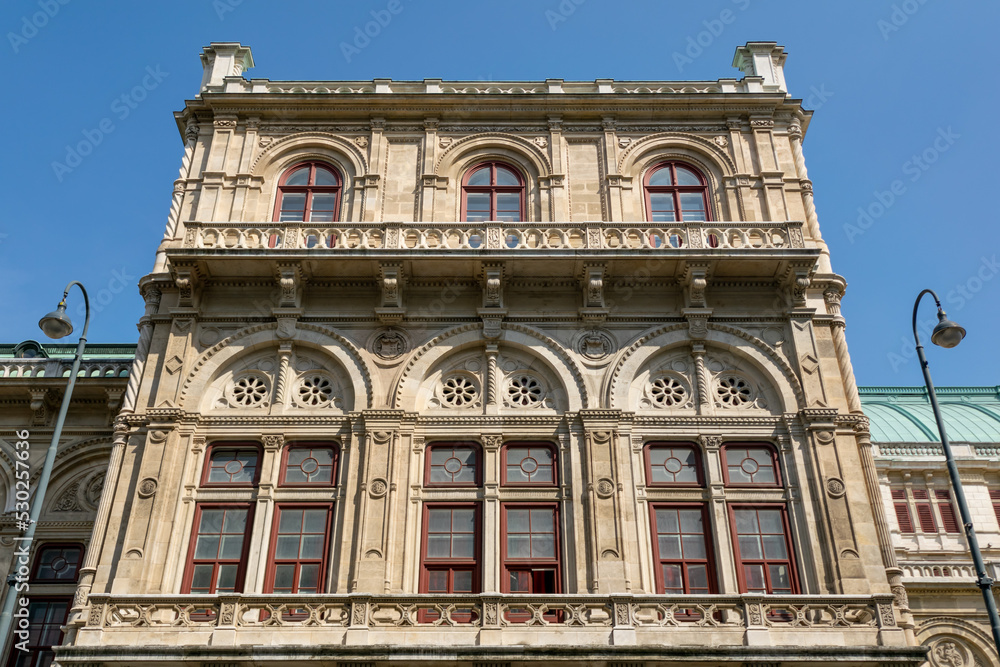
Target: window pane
691 521
543 546
780 581
294 475
661 177
293 201
287 547
462 581
201 579
517 521
478 201
325 177
515 474
464 520
520 581
542 521
480 177
323 456
660 201
439 475
770 521
750 547
518 546
670 546
746 521
687 177
312 546
506 177
754 575
291 521
698 578
673 581
320 216
232 547
438 546
666 521
309 578
227 578
693 205
299 177
315 521
463 546
508 201
437 581
774 547
284 578
440 520
694 546
324 202
207 547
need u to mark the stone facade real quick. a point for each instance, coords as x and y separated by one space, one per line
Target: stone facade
585 330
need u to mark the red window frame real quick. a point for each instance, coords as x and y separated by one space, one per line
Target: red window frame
216 446
932 509
950 522
510 563
63 547
903 518
778 482
282 478
37 651
708 561
273 562
493 189
676 191
477 475
529 445
741 562
310 189
241 562
451 565
699 468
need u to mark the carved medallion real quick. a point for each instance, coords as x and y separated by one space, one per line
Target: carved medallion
389 344
595 344
604 487
835 487
377 488
147 488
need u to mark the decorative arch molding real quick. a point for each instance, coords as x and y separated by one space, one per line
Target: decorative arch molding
529 152
256 337
656 341
966 632
325 141
515 335
718 160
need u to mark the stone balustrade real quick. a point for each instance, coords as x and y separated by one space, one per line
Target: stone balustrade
707 236
41 367
731 620
945 572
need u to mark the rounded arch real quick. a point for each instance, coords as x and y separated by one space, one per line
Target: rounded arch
462 338
765 360
479 147
939 630
257 337
707 157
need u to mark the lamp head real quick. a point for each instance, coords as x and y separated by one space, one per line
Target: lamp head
56 324
946 333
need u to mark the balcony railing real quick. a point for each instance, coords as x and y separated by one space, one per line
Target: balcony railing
56 368
595 620
496 236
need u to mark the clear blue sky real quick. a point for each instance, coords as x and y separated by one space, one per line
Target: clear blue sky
889 80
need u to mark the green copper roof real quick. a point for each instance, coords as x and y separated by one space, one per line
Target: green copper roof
903 414
93 351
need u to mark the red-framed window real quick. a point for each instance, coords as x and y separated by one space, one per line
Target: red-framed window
57 563
676 192
933 510
750 465
682 548
529 548
493 191
528 464
232 464
218 552
764 562
300 542
46 616
450 554
309 464
673 464
309 192
452 464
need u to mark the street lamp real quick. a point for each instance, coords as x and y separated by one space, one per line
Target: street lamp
55 325
949 334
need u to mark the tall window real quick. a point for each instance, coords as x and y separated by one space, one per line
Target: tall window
682 549
308 192
451 548
452 464
53 580
929 509
217 556
669 464
530 548
299 544
763 549
492 191
528 465
676 192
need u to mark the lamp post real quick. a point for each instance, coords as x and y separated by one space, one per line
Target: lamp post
55 325
949 334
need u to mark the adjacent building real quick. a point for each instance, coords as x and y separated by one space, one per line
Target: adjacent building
445 372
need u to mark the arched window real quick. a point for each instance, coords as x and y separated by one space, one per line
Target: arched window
492 191
309 192
676 192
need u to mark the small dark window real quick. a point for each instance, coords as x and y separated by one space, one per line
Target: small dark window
309 465
670 464
452 464
56 563
750 465
529 465
232 465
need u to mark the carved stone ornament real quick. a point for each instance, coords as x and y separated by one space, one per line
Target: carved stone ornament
377 488
491 327
389 344
492 442
147 488
604 487
445 142
835 487
595 344
541 142
273 441
624 142
721 141
362 142
264 142
947 653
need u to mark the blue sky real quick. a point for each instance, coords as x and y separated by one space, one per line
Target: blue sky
899 149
